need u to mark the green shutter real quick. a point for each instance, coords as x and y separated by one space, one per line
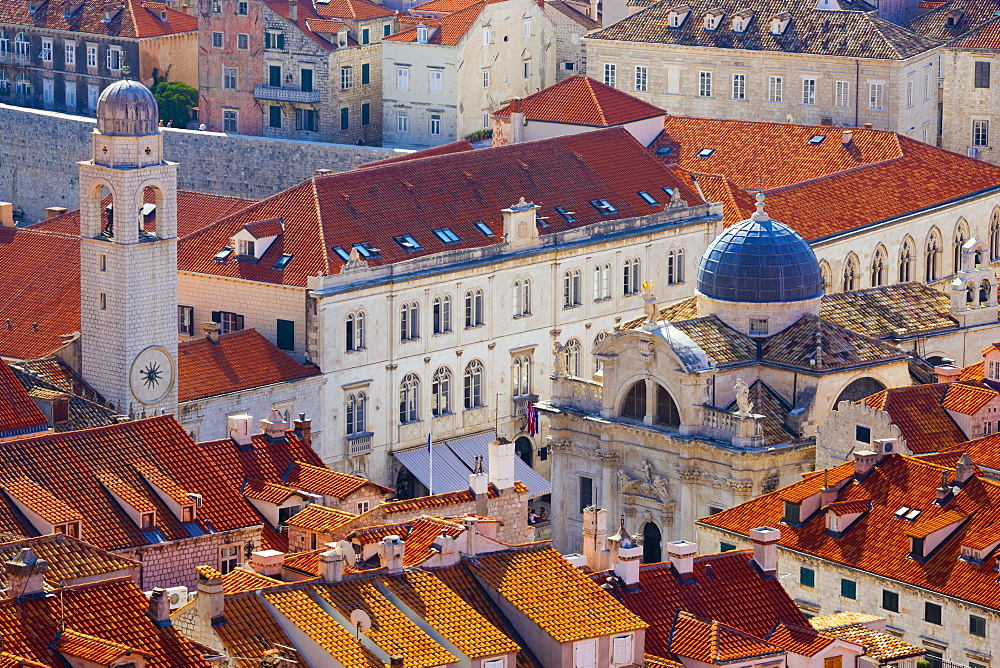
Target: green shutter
274 76
307 81
275 116
364 36
365 73
281 41
344 118
267 40
387 30
366 114
286 334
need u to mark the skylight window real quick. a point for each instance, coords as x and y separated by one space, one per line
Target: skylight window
406 242
541 221
603 206
566 215
668 191
446 236
706 152
282 261
484 228
223 254
912 515
901 512
366 250
815 140
341 253
664 150
647 198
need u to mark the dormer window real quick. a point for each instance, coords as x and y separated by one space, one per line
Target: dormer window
713 19
71 529
422 34
792 513
917 548
952 18
741 20
148 522
993 370
187 514
163 15
780 23
677 15
758 326
246 247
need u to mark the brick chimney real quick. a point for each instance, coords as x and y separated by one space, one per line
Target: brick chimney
516 120
331 565
682 557
829 493
159 607
947 372
239 429
274 426
501 463
211 330
765 548
847 138
267 562
390 553
54 211
943 493
595 538
964 470
303 429
868 126
293 10
26 575
210 600
864 463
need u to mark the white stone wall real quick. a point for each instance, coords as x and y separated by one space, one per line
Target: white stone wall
964 103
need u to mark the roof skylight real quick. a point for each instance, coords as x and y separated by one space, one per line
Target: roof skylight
566 215
664 150
406 242
603 206
367 250
341 253
282 261
446 235
815 140
484 228
706 152
647 198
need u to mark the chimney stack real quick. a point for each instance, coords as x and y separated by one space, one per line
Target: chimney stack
829 493
159 607
303 429
210 600
239 429
53 211
396 662
26 575
274 426
471 525
267 562
211 330
864 463
390 553
516 120
868 126
847 138
947 372
595 538
6 214
331 565
965 469
682 557
765 548
479 484
625 555
293 10
943 493
592 11
501 463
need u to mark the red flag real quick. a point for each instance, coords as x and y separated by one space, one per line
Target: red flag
532 414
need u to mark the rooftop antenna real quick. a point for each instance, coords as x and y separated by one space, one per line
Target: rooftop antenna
496 416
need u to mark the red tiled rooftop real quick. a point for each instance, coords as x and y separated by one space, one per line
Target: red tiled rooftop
138 18
460 146
239 361
848 507
451 27
967 398
802 640
580 100
917 411
265 228
96 650
18 413
321 480
929 522
714 643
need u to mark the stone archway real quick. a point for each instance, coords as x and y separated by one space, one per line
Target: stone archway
652 549
524 449
859 389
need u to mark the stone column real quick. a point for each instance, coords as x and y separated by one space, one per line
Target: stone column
650 402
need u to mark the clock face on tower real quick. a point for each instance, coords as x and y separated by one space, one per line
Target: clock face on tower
152 375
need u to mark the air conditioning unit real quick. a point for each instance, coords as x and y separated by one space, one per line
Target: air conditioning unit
178 596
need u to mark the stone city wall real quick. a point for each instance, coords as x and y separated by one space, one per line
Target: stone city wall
39 151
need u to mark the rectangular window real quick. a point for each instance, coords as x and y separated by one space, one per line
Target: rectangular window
977 626
229 557
527 69
909 93
48 91
229 322
927 87
982 78
843 98
758 326
848 588
434 81
306 76
527 29
70 53
346 77
307 120
345 118
641 78
402 121
980 133
103 298
807 577
71 94
486 79
585 654
93 92
586 492
486 36
890 600
932 613
621 649
46 53
286 334
792 511
229 78
274 116
363 507
242 8
185 320
216 40
243 41
704 84
148 521
366 114
875 91
230 121
114 59
808 91
365 36
862 434
834 661
435 125
402 78
366 74
274 76
739 86
774 89
610 74
92 58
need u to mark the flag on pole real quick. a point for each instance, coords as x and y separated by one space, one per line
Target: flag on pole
430 464
532 414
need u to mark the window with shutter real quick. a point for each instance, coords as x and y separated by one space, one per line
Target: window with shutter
621 649
365 73
982 75
494 663
585 654
286 334
366 114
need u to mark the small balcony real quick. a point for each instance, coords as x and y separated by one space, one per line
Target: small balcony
285 95
359 444
521 405
8 58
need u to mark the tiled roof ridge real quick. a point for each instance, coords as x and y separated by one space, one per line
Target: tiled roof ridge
322 226
593 96
849 170
828 323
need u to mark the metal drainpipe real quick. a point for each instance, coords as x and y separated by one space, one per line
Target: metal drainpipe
857 90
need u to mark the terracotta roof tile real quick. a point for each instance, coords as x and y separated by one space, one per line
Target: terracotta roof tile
48 379
352 9
882 647
460 146
95 650
714 643
138 18
775 410
126 493
239 361
846 33
439 501
320 519
268 492
321 480
18 413
70 560
929 522
8 660
40 501
265 228
967 398
580 100
250 629
880 545
451 29
570 608
573 11
838 347
849 507
970 14
891 311
975 371
800 639
917 411
241 579
986 36
839 620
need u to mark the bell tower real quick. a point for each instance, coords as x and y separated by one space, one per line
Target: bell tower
128 255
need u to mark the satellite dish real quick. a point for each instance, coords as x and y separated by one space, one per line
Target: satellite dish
350 556
789 119
361 621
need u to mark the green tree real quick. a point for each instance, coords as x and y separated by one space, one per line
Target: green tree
175 99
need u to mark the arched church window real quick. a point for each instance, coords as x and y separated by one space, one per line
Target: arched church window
634 405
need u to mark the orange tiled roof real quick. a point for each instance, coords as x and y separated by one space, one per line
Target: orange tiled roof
251 630
813 483
18 413
849 507
571 608
242 579
127 494
930 521
891 311
986 36
802 640
839 620
448 614
8 660
659 662
975 371
460 146
714 643
40 501
239 361
90 648
265 228
268 492
967 398
163 482
321 519
452 27
580 100
70 560
917 411
440 500
138 18
971 13
320 480
882 647
359 10
879 543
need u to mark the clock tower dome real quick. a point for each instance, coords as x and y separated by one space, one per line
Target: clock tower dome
128 255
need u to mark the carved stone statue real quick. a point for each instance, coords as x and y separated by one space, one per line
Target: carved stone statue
627 485
743 403
559 363
647 472
354 261
649 301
